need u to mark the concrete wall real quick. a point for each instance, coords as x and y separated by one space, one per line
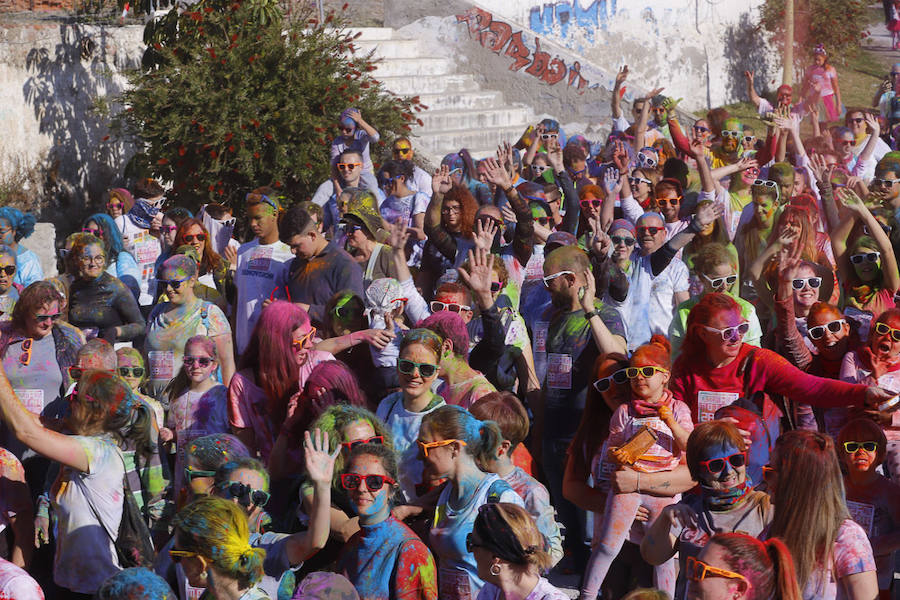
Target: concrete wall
696 49
54 80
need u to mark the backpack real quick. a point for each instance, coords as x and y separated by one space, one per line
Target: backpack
133 543
758 414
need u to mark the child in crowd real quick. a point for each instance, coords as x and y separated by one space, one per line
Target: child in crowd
132 369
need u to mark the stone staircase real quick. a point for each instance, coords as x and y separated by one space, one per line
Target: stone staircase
460 113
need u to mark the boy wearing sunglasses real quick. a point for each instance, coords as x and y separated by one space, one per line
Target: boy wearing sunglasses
717 459
356 135
873 500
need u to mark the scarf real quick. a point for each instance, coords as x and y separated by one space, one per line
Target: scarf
719 500
646 409
142 213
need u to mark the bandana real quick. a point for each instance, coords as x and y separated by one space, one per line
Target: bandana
382 296
142 213
718 500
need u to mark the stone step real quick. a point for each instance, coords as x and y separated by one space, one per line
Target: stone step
476 100
434 84
414 68
443 120
438 143
389 49
371 33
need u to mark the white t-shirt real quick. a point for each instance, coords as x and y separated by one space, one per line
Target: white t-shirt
85 555
404 428
145 249
258 268
16 584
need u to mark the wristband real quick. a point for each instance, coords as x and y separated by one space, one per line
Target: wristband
591 314
694 227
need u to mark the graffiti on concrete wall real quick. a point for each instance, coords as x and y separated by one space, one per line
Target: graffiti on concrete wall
557 18
498 36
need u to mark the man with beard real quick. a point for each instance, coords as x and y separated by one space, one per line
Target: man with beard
568 337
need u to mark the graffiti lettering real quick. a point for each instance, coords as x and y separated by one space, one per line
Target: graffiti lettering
558 18
496 35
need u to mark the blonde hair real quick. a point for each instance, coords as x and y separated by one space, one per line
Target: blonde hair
217 530
809 499
524 528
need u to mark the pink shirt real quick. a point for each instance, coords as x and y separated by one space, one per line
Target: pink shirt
247 404
852 554
664 455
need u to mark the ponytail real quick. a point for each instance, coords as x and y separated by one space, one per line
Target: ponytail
489 439
450 422
786 586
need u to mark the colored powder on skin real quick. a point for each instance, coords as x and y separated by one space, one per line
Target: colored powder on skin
136 583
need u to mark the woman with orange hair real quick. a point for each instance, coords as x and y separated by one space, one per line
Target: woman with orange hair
652 405
214 270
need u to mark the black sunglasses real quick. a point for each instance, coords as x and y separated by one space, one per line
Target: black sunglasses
131 371
9 270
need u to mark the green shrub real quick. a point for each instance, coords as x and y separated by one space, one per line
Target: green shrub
838 24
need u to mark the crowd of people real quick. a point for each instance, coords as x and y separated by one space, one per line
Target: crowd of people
665 362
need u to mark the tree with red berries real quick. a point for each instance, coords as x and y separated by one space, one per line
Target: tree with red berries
232 96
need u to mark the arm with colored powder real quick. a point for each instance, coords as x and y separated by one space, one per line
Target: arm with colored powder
27 428
890 274
664 484
440 238
751 89
320 469
767 152
681 141
570 202
616 101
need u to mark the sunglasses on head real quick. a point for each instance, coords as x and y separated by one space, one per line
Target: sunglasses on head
650 230
717 465
408 367
884 329
437 306
871 257
617 239
8 270
191 473
203 361
137 372
246 495
697 571
853 447
619 377
720 282
375 439
95 231
730 334
200 237
254 198
818 331
426 446
472 542
670 201
813 282
351 481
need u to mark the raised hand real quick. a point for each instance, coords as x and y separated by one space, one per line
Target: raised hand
554 156
399 235
495 173
620 157
319 462
610 180
746 162
708 212
787 268
600 241
485 234
622 75
820 168
850 200
441 181
748 75
872 122
480 274
509 215
670 104
377 338
698 149
588 291
354 114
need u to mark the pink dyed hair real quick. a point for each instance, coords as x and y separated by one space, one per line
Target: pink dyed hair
450 326
205 342
271 356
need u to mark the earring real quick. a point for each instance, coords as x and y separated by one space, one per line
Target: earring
495 569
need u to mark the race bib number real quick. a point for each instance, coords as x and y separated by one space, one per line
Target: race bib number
162 364
32 399
146 248
261 259
863 514
559 371
540 336
709 402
